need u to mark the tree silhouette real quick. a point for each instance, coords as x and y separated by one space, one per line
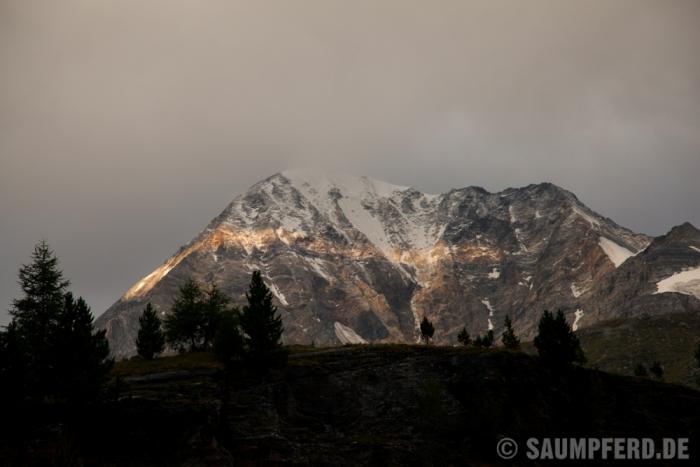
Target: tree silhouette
53 350
81 354
214 305
556 343
184 325
641 371
426 330
228 342
657 370
509 339
261 325
463 337
150 341
487 341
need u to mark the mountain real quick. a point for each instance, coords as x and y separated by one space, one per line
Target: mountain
352 260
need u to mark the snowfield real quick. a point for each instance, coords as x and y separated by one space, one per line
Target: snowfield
347 335
617 254
686 282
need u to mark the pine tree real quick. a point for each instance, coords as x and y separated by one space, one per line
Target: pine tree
478 341
214 305
261 325
184 325
657 370
81 354
641 371
56 353
426 330
487 341
697 355
556 343
463 337
35 316
150 340
509 339
228 342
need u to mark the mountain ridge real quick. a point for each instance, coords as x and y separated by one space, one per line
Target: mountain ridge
352 256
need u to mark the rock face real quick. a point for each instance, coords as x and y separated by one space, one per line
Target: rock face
353 259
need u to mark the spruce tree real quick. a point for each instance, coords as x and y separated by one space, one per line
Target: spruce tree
427 330
641 371
463 337
487 341
35 315
82 355
261 325
556 343
55 352
228 341
214 305
509 339
184 325
150 340
657 370
478 341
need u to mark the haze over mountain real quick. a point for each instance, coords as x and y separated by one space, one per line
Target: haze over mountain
352 260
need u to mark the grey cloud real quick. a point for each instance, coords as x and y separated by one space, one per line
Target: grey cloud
126 125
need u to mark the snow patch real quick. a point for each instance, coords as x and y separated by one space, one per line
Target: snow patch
686 282
487 303
316 265
617 253
584 215
347 335
577 317
575 291
276 292
494 274
695 248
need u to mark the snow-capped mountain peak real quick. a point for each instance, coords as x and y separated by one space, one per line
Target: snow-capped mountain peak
352 256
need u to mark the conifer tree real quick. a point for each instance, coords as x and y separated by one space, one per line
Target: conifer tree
478 341
54 351
556 343
463 337
150 340
81 353
697 355
657 370
228 341
214 305
487 341
426 330
509 339
640 370
184 325
260 323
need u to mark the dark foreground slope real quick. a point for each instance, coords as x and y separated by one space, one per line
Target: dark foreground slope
619 345
361 405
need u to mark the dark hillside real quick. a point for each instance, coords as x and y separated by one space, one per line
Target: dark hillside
383 405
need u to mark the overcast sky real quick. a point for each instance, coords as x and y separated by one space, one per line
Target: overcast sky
126 125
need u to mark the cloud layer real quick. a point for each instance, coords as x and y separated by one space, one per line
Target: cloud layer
125 126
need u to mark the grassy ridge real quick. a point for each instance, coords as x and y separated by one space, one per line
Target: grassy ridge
617 346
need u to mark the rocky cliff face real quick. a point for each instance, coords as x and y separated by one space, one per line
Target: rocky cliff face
355 260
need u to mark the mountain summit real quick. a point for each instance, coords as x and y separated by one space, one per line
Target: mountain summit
353 260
